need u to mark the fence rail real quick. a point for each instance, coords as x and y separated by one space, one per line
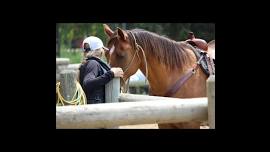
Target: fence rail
109 115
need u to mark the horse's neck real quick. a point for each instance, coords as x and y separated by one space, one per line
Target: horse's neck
159 76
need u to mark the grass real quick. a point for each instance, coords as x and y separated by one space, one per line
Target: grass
75 56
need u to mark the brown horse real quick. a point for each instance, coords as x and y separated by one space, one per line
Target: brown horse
162 60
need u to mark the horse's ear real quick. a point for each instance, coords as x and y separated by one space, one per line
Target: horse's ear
107 30
122 34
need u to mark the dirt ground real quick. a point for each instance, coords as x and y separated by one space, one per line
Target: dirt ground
142 126
149 126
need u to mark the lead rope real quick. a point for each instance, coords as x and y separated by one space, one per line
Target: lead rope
137 48
79 97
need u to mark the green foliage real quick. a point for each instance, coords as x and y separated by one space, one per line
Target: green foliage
175 31
74 57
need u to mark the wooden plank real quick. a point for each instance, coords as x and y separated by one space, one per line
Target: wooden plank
211 101
62 61
130 113
125 97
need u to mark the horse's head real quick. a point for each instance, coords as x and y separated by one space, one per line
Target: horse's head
122 51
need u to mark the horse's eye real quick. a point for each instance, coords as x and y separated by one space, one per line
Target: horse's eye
120 53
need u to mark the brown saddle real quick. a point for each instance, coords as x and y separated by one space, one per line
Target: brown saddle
199 43
201 49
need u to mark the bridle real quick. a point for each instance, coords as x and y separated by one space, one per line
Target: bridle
137 49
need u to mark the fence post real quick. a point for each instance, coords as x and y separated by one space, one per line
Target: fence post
211 101
68 84
112 91
61 64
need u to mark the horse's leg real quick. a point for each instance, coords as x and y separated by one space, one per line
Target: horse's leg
182 125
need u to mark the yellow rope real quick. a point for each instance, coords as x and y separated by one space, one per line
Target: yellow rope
78 98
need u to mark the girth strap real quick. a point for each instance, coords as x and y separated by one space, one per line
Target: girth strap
179 84
183 79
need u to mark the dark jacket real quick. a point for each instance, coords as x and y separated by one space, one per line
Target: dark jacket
94 74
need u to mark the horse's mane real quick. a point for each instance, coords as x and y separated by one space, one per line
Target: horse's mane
167 51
